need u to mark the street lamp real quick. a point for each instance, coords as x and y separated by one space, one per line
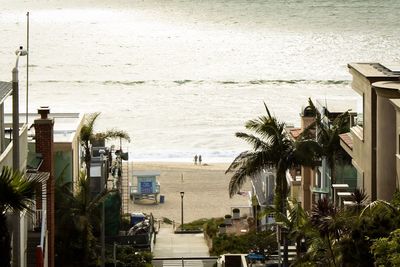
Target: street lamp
182 194
103 181
15 108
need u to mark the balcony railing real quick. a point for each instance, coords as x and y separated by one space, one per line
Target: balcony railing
6 157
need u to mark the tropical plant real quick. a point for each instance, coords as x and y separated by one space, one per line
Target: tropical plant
387 250
271 148
88 135
252 241
78 218
326 219
129 256
344 237
16 194
297 222
327 135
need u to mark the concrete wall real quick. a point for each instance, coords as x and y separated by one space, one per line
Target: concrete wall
374 143
386 140
363 143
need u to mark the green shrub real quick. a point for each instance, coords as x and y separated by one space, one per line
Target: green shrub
129 256
166 220
211 226
244 243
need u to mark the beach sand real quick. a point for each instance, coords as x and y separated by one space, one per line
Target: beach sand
206 191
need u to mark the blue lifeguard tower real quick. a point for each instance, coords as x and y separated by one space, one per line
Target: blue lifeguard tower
145 186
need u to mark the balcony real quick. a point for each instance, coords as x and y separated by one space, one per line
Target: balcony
6 158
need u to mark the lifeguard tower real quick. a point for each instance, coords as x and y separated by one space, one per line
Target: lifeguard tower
145 186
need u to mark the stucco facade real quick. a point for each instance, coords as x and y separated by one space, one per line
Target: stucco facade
374 139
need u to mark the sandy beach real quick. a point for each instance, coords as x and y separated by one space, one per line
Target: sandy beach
205 187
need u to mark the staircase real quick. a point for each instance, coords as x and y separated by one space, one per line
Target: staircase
33 242
125 187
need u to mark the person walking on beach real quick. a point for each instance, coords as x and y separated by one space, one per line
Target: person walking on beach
199 159
195 160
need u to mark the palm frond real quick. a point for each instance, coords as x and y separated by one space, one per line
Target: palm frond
266 109
253 140
307 152
379 206
88 127
100 198
246 165
112 134
16 190
278 215
267 127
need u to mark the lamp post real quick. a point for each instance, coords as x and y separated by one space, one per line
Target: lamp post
182 194
15 108
102 183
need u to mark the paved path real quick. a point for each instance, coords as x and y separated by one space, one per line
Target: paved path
171 245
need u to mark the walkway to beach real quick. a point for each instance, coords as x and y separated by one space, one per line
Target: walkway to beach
173 245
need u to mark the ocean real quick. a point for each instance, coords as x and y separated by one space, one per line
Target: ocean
181 77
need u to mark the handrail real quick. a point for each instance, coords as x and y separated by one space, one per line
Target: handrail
187 258
43 229
46 253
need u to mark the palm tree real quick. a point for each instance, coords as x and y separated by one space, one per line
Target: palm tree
16 194
327 135
327 220
88 135
78 213
297 222
271 148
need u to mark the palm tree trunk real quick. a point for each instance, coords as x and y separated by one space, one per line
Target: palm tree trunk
85 246
88 159
333 176
281 194
331 251
5 242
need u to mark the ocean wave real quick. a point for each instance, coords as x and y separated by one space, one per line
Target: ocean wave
123 82
300 81
227 82
180 82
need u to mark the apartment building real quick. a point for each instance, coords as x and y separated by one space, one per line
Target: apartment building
308 184
373 142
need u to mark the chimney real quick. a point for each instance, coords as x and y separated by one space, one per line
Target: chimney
45 146
44 111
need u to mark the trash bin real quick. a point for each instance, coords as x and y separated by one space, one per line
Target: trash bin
136 218
162 198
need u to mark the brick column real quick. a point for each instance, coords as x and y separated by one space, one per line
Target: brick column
45 146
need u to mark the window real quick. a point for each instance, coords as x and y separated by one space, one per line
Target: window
359 120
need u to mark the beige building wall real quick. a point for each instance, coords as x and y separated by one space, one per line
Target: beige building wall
365 137
307 173
386 138
73 147
396 104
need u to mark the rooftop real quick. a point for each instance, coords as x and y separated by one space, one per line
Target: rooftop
387 85
371 70
65 124
146 173
294 132
347 139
